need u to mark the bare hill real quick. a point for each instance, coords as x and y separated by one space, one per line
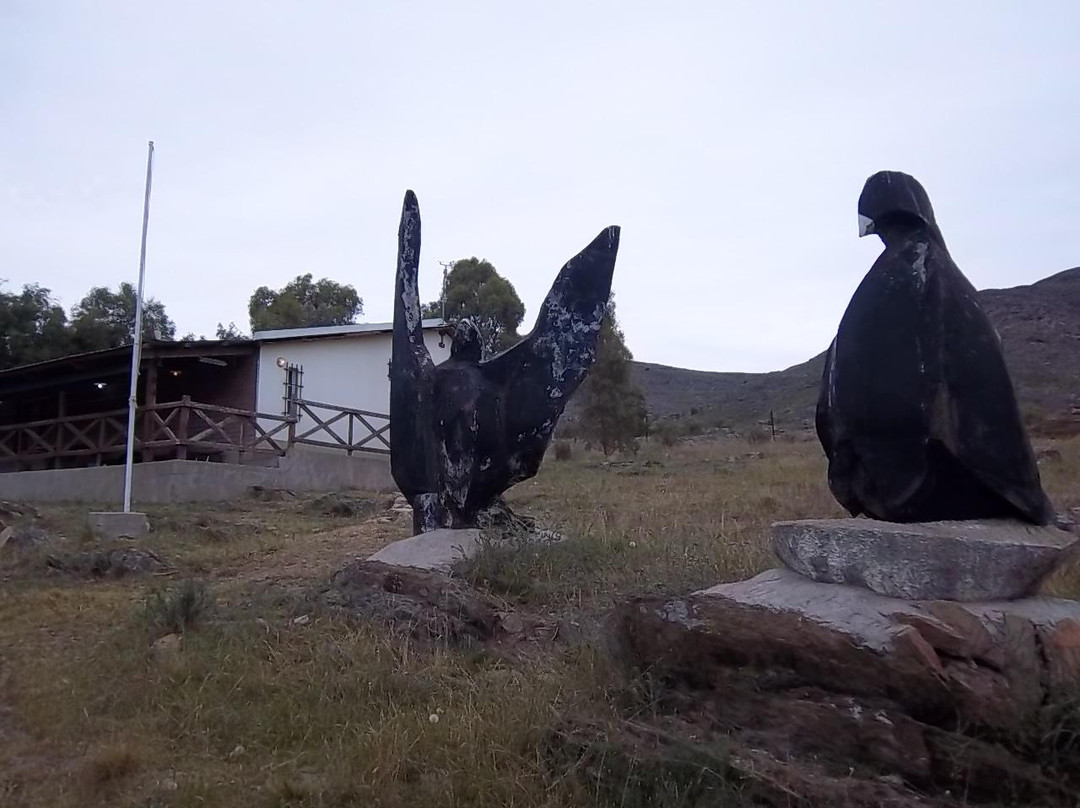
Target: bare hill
1040 331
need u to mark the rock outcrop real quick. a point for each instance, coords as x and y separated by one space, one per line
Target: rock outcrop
836 683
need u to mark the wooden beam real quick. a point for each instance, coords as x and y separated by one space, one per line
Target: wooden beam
182 429
178 351
149 400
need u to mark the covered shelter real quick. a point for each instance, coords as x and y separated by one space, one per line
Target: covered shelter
196 400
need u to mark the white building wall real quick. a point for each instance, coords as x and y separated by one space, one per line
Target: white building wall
347 371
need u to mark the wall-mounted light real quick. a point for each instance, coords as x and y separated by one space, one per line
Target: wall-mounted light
99 385
281 362
175 372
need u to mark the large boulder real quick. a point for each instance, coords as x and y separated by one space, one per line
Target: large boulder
937 695
423 603
115 563
965 561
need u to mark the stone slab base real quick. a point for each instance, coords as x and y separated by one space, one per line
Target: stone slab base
111 525
436 550
964 561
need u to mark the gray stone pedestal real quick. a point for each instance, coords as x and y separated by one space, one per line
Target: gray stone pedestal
110 525
964 561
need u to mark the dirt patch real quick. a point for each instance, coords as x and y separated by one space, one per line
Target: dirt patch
320 554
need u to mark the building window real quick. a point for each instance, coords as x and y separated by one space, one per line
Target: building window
294 387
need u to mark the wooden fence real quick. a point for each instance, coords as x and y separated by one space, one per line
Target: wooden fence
185 429
337 427
175 429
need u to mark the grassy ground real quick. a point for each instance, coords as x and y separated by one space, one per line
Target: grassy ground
270 699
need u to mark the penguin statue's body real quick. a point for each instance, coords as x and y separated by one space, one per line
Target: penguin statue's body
917 413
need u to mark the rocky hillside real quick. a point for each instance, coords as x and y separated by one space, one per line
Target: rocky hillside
1039 327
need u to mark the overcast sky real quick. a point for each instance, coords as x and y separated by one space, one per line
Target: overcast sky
730 141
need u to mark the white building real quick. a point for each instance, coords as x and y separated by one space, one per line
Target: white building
213 419
344 365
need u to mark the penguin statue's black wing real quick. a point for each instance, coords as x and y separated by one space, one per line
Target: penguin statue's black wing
976 416
837 452
540 373
871 419
413 444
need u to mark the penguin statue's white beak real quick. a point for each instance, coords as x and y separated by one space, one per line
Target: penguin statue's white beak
866 225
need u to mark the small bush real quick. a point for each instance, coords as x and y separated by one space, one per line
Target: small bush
758 435
502 568
668 437
178 610
563 450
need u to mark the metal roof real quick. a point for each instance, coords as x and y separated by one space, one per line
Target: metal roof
149 347
356 329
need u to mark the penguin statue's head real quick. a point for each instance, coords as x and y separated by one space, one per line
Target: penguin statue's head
892 199
467 345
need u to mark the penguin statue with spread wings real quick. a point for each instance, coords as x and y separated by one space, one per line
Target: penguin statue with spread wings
917 413
464 431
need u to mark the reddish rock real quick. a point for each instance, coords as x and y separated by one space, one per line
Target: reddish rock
977 641
1061 645
419 602
842 682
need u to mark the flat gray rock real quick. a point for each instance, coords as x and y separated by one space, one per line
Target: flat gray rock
963 561
437 550
110 525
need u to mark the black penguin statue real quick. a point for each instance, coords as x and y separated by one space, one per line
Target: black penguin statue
917 414
464 431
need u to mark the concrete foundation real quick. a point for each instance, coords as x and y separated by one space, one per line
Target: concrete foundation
109 525
193 481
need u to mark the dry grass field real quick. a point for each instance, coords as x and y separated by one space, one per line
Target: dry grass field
266 696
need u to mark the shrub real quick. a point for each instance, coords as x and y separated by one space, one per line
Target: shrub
667 432
758 435
178 610
563 450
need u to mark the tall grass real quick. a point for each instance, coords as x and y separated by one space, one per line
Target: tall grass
254 709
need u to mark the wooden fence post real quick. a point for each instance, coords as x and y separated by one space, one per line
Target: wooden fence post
182 428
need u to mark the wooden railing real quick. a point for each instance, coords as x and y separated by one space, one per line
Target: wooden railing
342 428
184 429
176 428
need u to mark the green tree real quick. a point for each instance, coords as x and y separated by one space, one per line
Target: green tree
230 332
106 319
613 409
303 303
474 289
33 327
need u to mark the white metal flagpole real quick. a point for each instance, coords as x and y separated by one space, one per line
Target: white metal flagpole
136 348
